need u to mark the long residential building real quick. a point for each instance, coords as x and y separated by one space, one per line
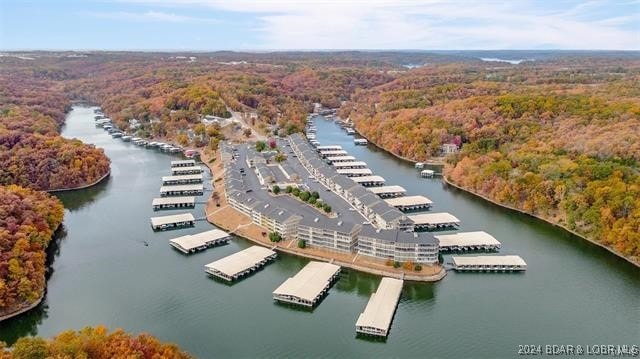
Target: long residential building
329 233
398 245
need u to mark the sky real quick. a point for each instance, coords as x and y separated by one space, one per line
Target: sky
204 25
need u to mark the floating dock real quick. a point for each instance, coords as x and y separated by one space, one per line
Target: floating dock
355 172
410 203
183 163
182 190
388 191
173 203
489 263
196 242
338 159
466 241
427 173
182 179
309 285
434 220
369 181
172 222
333 153
378 314
349 164
241 263
191 170
329 148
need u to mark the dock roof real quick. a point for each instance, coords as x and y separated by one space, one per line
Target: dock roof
368 179
175 218
183 187
192 241
172 200
382 305
349 164
433 218
309 282
409 201
355 171
333 152
241 261
510 260
182 177
341 158
183 163
479 238
186 169
329 147
387 189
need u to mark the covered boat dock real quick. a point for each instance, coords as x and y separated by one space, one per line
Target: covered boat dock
309 285
434 220
181 179
369 181
355 172
466 241
378 314
329 148
349 164
240 263
333 153
410 203
191 170
172 222
489 263
388 191
197 242
183 163
173 202
182 190
338 159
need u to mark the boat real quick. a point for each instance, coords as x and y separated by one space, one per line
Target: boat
116 134
419 165
360 141
175 150
427 173
126 138
350 131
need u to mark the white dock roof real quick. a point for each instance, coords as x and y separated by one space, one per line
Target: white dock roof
368 179
358 171
329 147
489 260
182 177
349 164
333 152
192 241
433 218
387 189
309 282
341 158
409 201
183 163
240 261
479 238
185 169
182 187
175 218
172 200
379 310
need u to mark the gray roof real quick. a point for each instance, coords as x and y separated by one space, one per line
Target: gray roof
369 200
398 236
358 191
343 181
323 222
281 215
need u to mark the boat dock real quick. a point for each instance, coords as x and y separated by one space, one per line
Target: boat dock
173 203
466 241
489 263
355 172
434 220
378 314
196 242
360 141
309 285
182 190
182 179
191 170
172 222
333 153
349 164
338 159
410 203
183 163
329 148
369 181
388 191
427 173
240 263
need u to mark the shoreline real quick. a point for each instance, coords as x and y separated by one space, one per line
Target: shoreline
611 250
285 245
106 175
24 309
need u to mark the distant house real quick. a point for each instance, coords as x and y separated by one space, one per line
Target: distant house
448 148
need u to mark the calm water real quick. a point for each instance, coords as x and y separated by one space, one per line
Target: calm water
102 273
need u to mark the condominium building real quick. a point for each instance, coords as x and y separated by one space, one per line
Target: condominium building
328 233
397 245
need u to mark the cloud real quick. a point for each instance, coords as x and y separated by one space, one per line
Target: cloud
149 16
432 24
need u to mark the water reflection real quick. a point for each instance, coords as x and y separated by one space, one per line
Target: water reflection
77 199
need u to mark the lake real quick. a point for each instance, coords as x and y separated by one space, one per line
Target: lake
102 273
